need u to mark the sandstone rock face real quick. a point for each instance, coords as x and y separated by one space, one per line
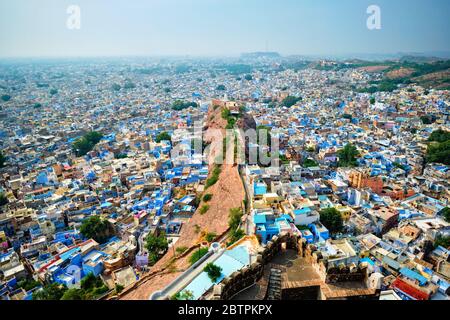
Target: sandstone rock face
227 193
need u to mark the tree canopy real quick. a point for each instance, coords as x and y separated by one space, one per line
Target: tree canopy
53 291
446 214
96 228
3 199
347 156
163 136
180 105
156 245
90 288
308 163
331 219
439 152
6 97
214 271
234 220
2 160
439 136
86 143
289 101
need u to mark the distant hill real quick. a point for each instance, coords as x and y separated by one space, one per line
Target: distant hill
419 59
254 55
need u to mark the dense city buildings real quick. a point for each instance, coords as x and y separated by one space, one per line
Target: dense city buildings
139 179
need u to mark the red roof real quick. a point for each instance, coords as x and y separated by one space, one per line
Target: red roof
410 290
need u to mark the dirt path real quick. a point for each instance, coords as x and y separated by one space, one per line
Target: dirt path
227 193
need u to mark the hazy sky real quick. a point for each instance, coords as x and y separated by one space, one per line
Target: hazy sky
221 27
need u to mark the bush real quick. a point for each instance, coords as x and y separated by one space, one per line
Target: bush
119 288
197 255
207 197
183 295
28 284
234 222
210 237
214 177
214 271
53 291
181 250
204 209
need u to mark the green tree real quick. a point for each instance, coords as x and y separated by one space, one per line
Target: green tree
289 101
180 105
427 119
183 295
331 219
96 228
248 77
119 288
6 97
442 241
163 136
210 236
207 197
372 100
446 214
439 136
28 284
221 87
214 271
347 156
53 291
439 152
234 222
156 246
129 85
308 163
73 294
3 199
235 217
116 87
86 143
2 160
53 91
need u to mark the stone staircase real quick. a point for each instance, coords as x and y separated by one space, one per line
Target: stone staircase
274 288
